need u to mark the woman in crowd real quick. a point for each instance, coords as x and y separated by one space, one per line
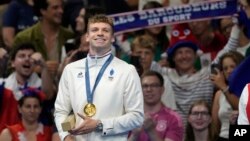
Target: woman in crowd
77 48
30 107
199 126
224 102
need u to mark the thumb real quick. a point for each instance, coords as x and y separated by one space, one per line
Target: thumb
82 116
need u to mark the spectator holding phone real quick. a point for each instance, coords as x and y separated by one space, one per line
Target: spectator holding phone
224 102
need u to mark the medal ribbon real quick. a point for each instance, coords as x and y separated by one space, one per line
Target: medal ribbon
98 78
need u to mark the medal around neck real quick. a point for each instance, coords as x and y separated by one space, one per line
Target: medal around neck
89 109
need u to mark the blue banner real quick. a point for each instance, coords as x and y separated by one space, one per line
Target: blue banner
130 21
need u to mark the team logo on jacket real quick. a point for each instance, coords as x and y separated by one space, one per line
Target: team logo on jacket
111 74
161 125
80 75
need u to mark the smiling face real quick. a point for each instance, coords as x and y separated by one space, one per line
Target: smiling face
182 49
100 37
199 118
228 65
229 61
53 13
184 59
152 90
22 63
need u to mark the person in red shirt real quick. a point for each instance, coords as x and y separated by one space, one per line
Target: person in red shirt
209 41
160 123
30 107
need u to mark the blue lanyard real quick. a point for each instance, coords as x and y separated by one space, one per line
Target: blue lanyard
98 78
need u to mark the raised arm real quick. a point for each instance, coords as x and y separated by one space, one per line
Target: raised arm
8 36
47 82
232 43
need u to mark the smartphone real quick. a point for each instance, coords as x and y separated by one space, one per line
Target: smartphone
135 60
214 67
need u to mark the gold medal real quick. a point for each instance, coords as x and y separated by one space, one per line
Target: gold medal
89 109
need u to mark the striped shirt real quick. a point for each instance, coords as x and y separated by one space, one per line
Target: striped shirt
190 88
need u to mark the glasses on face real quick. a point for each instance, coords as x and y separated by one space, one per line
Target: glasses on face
153 86
197 114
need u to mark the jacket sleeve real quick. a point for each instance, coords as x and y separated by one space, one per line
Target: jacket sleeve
62 104
133 105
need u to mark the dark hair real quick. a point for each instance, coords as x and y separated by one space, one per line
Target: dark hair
39 5
22 1
154 73
23 46
189 129
1 95
152 4
31 93
236 56
248 2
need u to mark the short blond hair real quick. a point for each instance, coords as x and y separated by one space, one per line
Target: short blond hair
144 41
101 18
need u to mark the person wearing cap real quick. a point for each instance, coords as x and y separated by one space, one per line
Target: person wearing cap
189 84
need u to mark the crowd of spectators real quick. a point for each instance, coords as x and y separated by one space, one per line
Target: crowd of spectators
184 68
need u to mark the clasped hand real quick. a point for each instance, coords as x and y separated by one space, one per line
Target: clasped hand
87 126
